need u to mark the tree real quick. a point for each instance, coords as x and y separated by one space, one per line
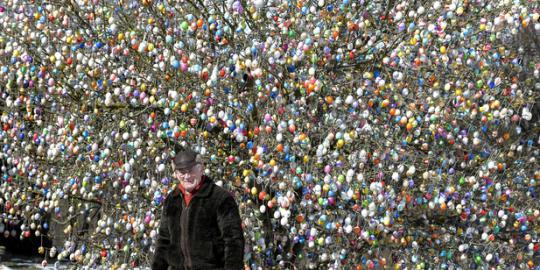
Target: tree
351 132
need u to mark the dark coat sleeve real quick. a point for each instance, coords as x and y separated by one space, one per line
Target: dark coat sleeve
230 226
159 261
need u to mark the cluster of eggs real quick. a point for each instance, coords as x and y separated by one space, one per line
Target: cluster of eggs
351 132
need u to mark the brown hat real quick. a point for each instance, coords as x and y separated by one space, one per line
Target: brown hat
185 159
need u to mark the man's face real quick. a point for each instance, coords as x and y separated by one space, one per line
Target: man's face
189 178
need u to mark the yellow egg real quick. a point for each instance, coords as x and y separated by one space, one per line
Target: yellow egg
289 60
326 187
184 108
443 49
340 143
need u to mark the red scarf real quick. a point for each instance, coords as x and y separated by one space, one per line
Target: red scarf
189 195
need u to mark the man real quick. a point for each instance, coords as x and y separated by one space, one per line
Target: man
200 223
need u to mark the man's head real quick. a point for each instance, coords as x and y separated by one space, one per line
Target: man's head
188 169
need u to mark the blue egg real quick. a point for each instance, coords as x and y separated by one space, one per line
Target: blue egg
286 149
291 68
328 226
